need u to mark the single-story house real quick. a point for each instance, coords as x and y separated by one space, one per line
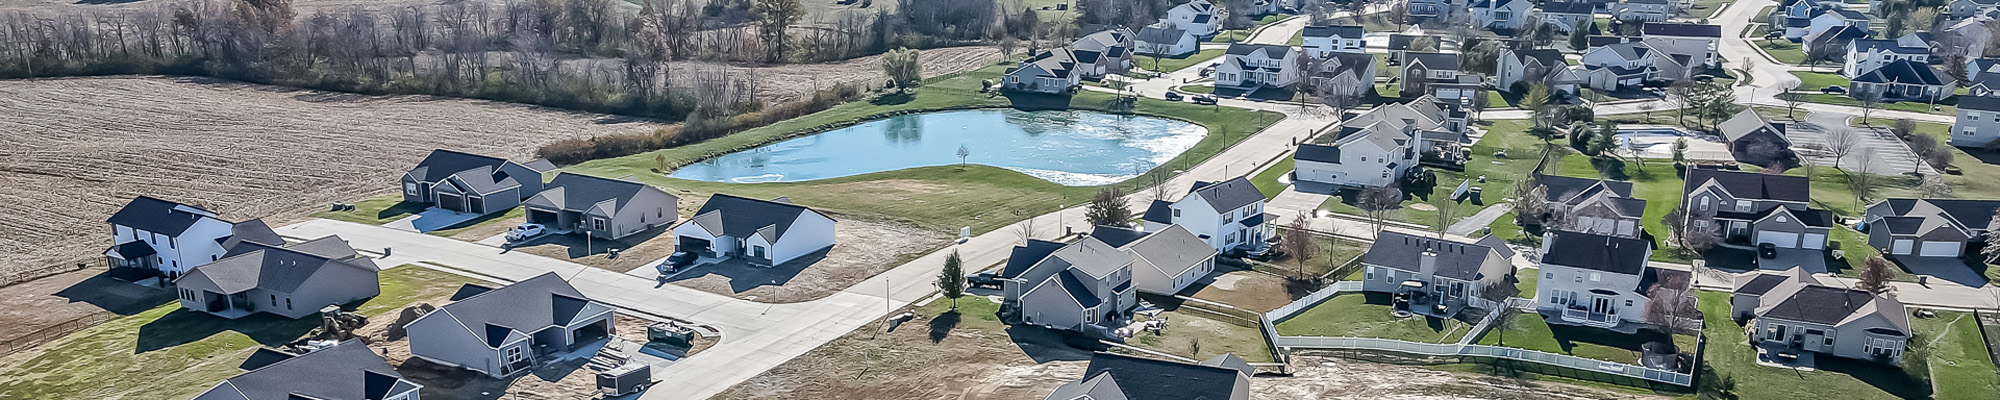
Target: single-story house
471 183
1928 227
1904 80
505 331
347 371
1434 277
293 281
1796 312
1121 377
762 232
601 207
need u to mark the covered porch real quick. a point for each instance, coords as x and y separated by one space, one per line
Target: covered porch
229 305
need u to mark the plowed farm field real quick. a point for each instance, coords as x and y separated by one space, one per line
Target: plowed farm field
72 151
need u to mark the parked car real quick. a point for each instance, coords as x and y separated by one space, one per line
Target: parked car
1833 90
985 279
676 261
1171 96
1204 100
526 231
1767 250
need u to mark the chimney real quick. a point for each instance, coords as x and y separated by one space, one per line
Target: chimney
1410 127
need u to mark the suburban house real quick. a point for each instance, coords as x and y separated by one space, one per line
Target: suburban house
1517 70
1697 41
1751 208
292 281
1904 80
1645 11
1865 55
601 207
1085 286
1253 66
1500 15
1429 10
1052 71
1346 74
1165 39
1978 67
1164 261
471 183
1322 40
1794 312
1597 280
1971 33
1829 18
1928 227
1978 122
152 237
1593 206
1837 38
1567 16
762 232
1120 377
1755 140
1199 18
1399 45
1434 277
505 331
347 371
1380 146
1420 70
1987 85
1227 214
1107 52
1621 66
1970 8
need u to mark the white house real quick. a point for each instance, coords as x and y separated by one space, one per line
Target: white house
1258 65
1978 122
1505 15
763 232
1105 52
1625 65
1835 17
1642 10
1199 18
153 237
1052 71
1599 281
1378 147
1348 74
1163 39
1699 42
1865 55
1321 40
1227 214
1567 16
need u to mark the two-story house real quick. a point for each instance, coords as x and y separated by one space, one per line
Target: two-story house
1252 66
1052 71
1829 19
1422 69
1600 281
1928 227
1566 16
1164 261
1226 215
1164 39
1697 41
1904 80
1379 147
1621 66
1865 55
1518 70
158 238
1107 52
1324 40
1593 206
1644 11
1751 208
1978 123
1795 312
1199 18
1346 74
1085 286
1501 15
1431 10
1434 277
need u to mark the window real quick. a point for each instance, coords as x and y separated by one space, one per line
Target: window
1594 276
1628 303
1704 203
1701 223
1549 275
1742 206
1368 273
514 354
1579 278
410 188
597 223
288 303
274 300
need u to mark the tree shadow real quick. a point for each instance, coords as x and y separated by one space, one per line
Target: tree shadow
1037 101
942 325
893 98
405 208
1887 377
183 326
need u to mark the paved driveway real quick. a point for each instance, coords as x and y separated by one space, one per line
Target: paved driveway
1891 156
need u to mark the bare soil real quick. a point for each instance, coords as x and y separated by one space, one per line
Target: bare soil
782 83
35 305
862 250
1339 378
1249 290
77 149
563 381
639 250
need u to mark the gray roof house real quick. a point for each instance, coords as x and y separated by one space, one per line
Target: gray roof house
1978 123
1105 52
1750 208
1904 80
1422 69
1755 140
293 281
153 237
1164 39
1433 276
471 183
601 207
1596 206
1120 377
1794 312
1599 281
762 232
1928 227
1085 286
505 331
347 371
1050 71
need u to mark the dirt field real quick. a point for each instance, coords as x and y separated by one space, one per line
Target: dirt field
863 249
38 304
791 82
1245 289
77 149
1339 378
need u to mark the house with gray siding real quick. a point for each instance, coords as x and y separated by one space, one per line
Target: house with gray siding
506 331
762 232
1928 227
1599 281
601 207
1121 377
1051 71
1795 312
1596 206
1085 286
293 281
1434 277
1748 209
1756 140
347 371
472 183
1978 124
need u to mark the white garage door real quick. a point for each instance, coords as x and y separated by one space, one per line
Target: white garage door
1940 249
1783 240
1814 241
1902 246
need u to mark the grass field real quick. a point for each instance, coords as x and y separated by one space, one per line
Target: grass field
1267 181
1367 315
1959 359
1533 333
1176 64
170 353
1496 176
1732 359
1784 51
375 211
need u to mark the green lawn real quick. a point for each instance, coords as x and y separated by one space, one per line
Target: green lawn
939 198
375 211
1298 39
1959 359
1199 88
1764 16
1704 9
1383 69
1730 357
1533 333
1498 176
1813 81
1947 107
1784 51
1267 181
1376 22
1655 182
1176 64
1367 315
1238 35
170 353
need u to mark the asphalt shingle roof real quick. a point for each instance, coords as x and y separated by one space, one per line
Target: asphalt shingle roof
1677 29
522 308
1343 31
280 269
1751 185
1903 71
1317 153
1230 194
1981 103
1165 380
742 217
1405 252
442 163
158 216
1597 252
579 193
348 371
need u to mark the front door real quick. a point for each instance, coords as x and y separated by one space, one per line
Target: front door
1602 305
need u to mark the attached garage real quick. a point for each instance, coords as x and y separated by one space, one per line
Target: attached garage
1902 247
544 217
1941 249
451 202
1784 240
1815 241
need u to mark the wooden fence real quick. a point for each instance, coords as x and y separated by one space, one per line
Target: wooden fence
52 332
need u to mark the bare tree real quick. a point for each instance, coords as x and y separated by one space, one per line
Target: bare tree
1933 187
1531 203
1297 242
1377 202
1792 98
1447 213
1870 100
1841 142
1875 276
1693 231
1992 250
1926 148
1861 183
1670 306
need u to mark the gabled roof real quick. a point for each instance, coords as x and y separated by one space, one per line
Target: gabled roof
1904 71
1749 122
1148 379
1801 297
1848 14
581 193
1027 255
1116 236
1751 185
347 371
1678 29
742 217
252 231
159 216
1547 57
1629 50
522 308
1271 51
1564 188
1837 35
1972 214
1399 41
1161 211
1173 249
1565 7
1109 38
1757 284
1406 252
1056 62
1596 252
1097 387
1805 215
278 269
1981 103
1228 195
1436 61
1342 31
1231 361
1356 64
1885 45
1317 153
1163 32
443 163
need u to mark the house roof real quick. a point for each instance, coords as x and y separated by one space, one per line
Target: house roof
1163 32
347 371
1399 41
1748 122
1343 31
1906 72
1272 51
1091 256
1798 22
1096 387
1629 50
1109 38
743 217
1228 195
1149 379
1678 29
1829 305
1077 290
1565 7
133 250
1317 153
581 193
1056 62
1547 57
1836 35
1231 361
522 308
1563 188
252 231
159 216
1356 64
1406 252
443 163
1757 284
1751 185
1436 61
1973 214
1596 252
1497 244
1981 103
278 269
1027 255
1116 236
1892 46
1161 211
1173 249
1846 13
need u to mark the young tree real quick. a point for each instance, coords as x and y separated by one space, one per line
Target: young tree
1863 184
1107 208
1399 13
1505 322
1925 147
1903 128
773 17
903 68
1579 39
1537 102
1693 231
1870 101
963 152
1792 98
951 280
1669 305
1377 202
1876 275
1680 150
1296 241
1683 95
1933 187
1841 142
1447 213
